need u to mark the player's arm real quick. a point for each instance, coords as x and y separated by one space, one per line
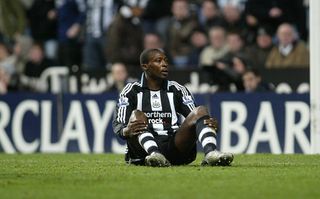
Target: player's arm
125 106
185 102
137 124
124 124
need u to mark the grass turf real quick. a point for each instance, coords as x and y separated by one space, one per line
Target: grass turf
107 176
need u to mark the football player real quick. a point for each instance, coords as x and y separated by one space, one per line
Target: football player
147 117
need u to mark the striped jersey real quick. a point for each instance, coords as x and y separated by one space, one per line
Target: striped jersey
163 107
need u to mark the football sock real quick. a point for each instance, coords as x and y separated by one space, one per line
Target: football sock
146 140
206 135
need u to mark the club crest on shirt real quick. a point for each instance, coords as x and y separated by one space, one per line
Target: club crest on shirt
123 101
155 101
187 100
156 104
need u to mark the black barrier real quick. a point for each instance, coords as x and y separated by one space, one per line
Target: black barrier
60 79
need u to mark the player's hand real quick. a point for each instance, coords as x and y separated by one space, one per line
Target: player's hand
135 127
211 122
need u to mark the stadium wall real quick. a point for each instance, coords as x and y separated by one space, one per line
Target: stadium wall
60 123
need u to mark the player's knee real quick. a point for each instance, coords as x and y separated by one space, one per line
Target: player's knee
138 115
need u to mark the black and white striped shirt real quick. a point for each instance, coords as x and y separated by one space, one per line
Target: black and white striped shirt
99 16
162 107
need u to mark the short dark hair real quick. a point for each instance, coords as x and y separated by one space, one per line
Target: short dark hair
255 71
146 54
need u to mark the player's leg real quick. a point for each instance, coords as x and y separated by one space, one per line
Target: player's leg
147 141
199 126
194 128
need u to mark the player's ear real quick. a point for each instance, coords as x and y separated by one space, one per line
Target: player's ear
144 66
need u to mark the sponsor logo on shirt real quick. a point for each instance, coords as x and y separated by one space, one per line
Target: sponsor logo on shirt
158 117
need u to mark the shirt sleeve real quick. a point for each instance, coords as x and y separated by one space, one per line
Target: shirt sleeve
185 101
126 104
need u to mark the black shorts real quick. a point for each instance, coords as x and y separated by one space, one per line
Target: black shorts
136 154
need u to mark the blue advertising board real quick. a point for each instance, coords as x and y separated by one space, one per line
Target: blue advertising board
249 123
264 122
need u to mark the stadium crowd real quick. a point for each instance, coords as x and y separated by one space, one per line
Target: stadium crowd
230 40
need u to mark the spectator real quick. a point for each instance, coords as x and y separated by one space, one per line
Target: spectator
99 15
118 77
199 41
257 53
231 66
272 13
217 48
235 43
238 3
71 16
36 64
20 50
12 19
252 82
290 51
7 60
233 19
209 15
125 37
227 74
152 40
42 17
156 16
4 81
37 61
179 31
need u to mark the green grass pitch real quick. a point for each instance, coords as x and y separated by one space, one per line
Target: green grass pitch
107 176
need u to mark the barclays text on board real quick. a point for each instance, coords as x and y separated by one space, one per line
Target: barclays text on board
249 123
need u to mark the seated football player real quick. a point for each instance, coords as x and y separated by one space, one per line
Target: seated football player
147 117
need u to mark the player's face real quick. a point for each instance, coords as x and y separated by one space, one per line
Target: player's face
158 66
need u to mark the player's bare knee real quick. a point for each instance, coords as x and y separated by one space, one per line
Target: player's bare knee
138 115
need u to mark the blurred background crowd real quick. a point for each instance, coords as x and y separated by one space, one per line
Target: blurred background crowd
230 41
